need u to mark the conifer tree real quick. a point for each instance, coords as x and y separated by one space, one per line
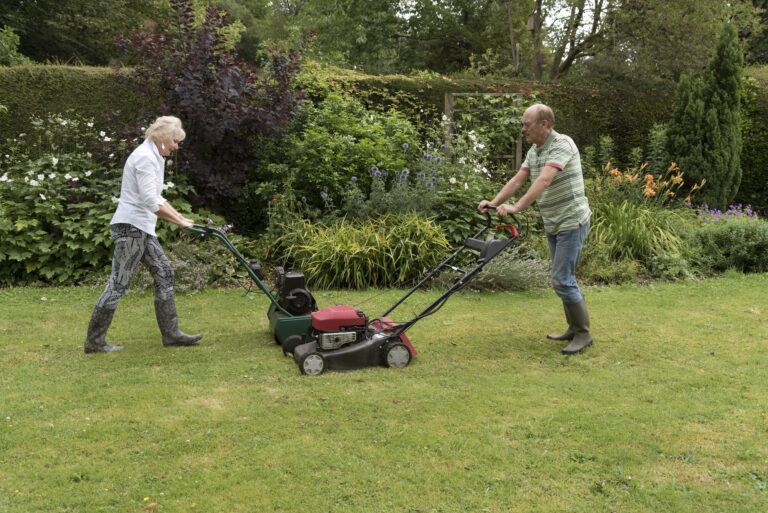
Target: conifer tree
704 136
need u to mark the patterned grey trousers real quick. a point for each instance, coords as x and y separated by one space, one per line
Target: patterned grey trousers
131 247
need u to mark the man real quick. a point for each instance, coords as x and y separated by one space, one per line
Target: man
557 186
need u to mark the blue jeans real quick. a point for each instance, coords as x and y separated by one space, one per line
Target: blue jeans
565 251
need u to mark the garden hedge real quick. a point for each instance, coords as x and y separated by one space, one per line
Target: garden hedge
585 110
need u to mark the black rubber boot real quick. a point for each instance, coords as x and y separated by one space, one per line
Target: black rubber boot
168 321
95 341
569 333
580 324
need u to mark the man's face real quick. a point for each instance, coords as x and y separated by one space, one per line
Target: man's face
534 130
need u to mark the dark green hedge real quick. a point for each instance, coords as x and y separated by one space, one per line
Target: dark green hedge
39 90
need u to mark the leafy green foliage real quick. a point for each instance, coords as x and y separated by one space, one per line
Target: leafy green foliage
9 48
704 135
57 196
340 139
392 250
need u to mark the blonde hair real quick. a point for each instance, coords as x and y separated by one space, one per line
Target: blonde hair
165 127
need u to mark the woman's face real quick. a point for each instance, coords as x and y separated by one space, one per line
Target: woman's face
166 146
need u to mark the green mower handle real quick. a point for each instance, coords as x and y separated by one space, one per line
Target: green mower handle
207 230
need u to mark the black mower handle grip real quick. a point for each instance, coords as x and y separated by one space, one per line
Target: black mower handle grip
513 216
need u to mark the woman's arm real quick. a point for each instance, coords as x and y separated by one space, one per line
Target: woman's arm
167 212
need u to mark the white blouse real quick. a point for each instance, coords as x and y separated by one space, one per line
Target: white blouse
140 192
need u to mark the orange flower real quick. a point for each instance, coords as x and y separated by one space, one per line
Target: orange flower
688 199
615 172
670 193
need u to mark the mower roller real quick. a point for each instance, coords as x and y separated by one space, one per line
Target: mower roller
342 337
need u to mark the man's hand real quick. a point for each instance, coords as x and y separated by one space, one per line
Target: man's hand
505 210
483 206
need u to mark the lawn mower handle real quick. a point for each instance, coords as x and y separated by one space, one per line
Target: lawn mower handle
517 222
207 230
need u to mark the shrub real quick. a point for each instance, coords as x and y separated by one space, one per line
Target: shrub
340 140
222 101
596 267
633 232
735 240
392 250
513 270
55 206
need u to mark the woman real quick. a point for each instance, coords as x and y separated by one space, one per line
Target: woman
133 232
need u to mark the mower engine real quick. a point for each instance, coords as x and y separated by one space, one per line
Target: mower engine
292 292
336 326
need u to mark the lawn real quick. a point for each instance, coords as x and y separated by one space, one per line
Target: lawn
666 413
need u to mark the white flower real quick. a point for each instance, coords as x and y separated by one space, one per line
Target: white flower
26 179
107 139
115 200
63 122
42 197
7 156
55 161
74 179
89 124
452 180
68 176
33 183
111 155
88 154
52 176
169 162
88 173
445 118
41 177
102 133
4 178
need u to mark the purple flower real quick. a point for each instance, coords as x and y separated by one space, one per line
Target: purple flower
405 146
324 195
303 199
354 179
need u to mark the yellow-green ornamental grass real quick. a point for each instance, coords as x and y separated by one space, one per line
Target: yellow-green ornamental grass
666 413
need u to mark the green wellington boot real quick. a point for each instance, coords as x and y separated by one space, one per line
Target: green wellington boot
168 322
580 324
569 333
95 341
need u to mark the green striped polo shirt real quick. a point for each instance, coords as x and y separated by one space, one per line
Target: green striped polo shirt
563 205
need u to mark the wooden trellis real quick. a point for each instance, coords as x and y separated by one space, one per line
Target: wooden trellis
450 110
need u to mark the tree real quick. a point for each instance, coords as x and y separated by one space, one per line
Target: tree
223 102
80 30
9 48
649 37
704 136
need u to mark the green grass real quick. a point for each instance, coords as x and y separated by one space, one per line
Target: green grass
666 413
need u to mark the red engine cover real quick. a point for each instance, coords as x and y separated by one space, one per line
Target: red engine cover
332 318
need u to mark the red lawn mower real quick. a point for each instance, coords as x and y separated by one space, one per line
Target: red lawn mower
342 337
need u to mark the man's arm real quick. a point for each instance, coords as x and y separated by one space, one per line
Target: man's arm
534 191
506 192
